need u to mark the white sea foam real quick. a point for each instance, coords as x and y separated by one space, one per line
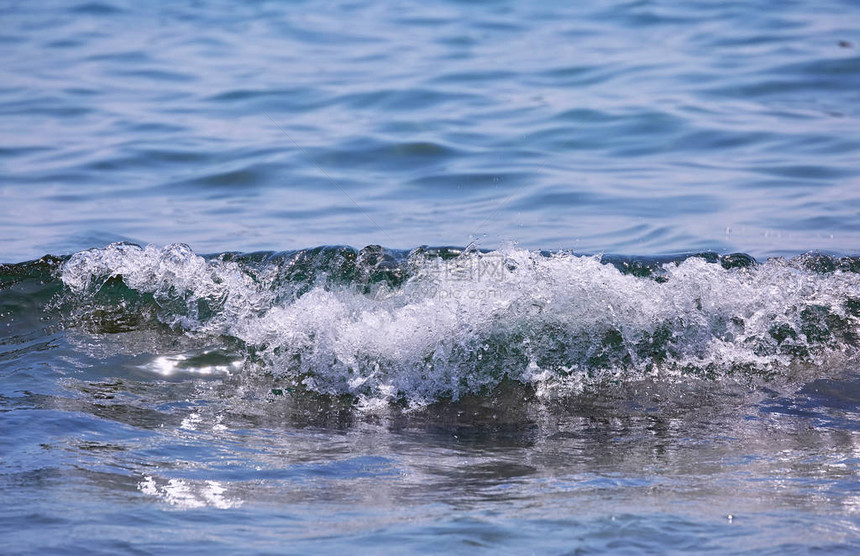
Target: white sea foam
558 322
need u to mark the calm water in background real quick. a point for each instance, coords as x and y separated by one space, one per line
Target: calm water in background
635 127
155 401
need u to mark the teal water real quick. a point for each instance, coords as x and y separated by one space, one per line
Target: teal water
645 340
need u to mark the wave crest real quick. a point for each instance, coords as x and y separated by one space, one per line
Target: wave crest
441 323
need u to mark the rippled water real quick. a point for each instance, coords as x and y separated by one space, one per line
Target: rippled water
636 127
187 370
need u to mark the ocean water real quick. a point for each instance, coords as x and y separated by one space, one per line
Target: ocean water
429 277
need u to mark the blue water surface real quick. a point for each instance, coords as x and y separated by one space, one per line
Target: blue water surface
636 127
626 127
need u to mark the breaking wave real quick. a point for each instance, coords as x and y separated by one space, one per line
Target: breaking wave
439 323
